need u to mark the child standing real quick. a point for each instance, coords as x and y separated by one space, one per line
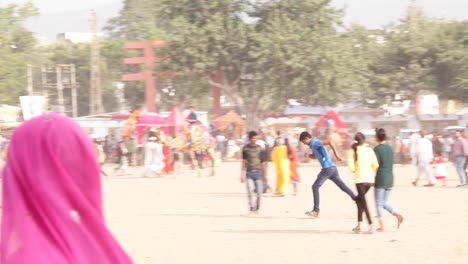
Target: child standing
440 168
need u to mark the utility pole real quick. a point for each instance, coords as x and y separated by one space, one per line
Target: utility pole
73 90
45 88
413 16
95 95
30 80
60 89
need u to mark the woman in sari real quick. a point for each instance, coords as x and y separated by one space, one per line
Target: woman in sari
280 158
293 164
167 152
52 201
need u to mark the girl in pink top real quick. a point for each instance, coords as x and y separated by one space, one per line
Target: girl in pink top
52 202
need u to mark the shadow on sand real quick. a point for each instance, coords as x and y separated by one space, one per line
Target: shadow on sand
278 231
222 216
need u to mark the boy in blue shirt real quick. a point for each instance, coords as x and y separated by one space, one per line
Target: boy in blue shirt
328 171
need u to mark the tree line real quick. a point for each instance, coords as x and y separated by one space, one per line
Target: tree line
264 52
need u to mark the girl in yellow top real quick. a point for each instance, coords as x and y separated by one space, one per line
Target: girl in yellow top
363 163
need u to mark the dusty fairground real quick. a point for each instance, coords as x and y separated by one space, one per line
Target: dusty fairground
191 219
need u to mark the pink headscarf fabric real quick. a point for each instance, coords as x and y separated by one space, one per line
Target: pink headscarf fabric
52 204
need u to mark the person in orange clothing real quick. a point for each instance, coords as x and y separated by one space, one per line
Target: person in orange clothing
293 164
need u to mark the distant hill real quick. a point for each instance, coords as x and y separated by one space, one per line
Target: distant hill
49 25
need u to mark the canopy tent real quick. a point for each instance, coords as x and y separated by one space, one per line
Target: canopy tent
230 123
150 120
176 121
337 123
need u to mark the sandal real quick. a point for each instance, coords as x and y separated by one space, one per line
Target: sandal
312 213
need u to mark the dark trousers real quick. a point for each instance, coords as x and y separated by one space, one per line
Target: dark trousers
331 174
129 158
361 202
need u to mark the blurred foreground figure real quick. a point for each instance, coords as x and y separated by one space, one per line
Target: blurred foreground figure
52 204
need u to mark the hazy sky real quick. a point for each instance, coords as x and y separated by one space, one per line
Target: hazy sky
376 13
56 6
371 13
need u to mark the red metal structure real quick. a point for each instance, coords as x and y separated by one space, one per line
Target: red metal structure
149 60
216 94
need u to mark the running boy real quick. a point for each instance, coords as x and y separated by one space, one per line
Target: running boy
328 171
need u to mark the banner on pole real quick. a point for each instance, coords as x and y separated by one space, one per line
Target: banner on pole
32 106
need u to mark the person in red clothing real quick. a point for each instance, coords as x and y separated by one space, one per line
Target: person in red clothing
294 163
440 168
168 168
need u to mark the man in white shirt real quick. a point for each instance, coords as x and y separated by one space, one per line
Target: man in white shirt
425 157
413 147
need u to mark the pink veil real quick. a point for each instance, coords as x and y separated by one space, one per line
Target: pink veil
52 204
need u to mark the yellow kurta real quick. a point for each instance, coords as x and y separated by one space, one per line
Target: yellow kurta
279 157
366 166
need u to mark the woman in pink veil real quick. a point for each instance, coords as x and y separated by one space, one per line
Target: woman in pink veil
52 202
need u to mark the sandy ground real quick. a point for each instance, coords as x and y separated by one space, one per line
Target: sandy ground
191 219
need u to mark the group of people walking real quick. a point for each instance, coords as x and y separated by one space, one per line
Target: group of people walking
371 167
52 209
426 152
285 159
160 153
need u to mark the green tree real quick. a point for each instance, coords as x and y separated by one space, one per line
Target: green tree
112 54
266 51
16 51
137 21
431 57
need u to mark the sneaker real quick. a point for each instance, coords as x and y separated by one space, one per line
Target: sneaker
429 185
313 214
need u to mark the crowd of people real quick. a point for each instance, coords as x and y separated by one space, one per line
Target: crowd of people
430 156
372 168
158 152
52 200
